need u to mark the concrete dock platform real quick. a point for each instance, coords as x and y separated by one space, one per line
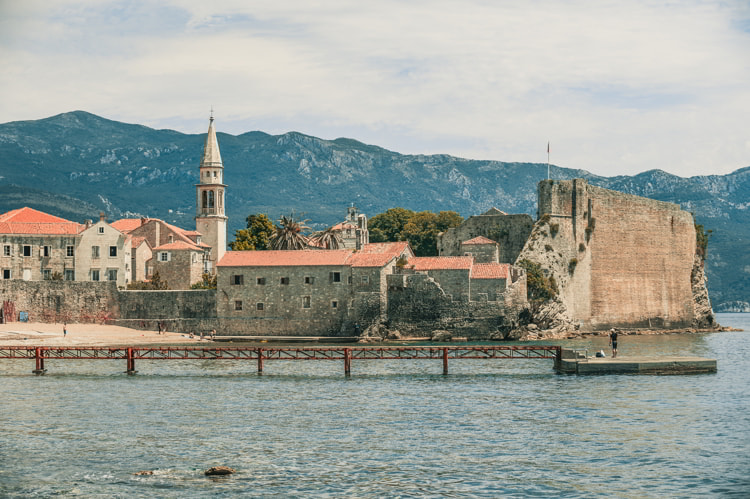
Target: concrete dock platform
575 362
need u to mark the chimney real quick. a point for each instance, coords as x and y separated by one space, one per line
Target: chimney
102 217
144 220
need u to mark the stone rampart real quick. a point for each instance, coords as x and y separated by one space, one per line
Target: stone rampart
509 231
620 260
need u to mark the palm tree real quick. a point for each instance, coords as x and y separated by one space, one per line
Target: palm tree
328 239
289 234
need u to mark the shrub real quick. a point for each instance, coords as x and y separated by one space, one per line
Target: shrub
554 229
581 247
547 247
572 265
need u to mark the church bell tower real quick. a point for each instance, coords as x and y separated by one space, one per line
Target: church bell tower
210 220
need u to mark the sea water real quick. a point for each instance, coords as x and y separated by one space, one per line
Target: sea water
491 428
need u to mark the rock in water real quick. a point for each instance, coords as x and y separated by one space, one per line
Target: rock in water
144 472
219 470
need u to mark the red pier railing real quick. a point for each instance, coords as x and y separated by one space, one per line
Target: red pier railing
261 354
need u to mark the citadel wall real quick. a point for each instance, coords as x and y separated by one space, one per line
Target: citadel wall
620 260
509 231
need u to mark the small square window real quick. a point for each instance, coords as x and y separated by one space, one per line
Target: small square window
6 250
6 274
69 251
309 280
94 275
113 251
95 252
365 280
237 280
112 275
335 276
334 304
70 275
101 230
260 281
284 281
258 306
26 250
47 274
164 256
238 305
305 302
46 251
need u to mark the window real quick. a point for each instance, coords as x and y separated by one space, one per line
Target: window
26 250
171 238
113 251
237 280
260 281
335 276
258 306
69 252
238 305
95 252
6 274
365 280
95 275
284 281
112 275
6 250
164 256
305 302
70 275
101 230
46 251
334 304
47 274
309 280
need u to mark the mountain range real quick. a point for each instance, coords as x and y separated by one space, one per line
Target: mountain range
76 165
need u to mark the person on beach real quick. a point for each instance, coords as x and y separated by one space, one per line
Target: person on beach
65 329
613 341
159 323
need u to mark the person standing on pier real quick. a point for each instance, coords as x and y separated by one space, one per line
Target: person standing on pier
613 341
65 329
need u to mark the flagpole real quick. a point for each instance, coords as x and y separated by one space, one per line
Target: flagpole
547 160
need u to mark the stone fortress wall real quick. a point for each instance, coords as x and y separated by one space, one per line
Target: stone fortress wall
620 260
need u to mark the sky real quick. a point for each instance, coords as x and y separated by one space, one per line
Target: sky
615 87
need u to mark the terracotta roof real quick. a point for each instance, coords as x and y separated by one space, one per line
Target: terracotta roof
137 240
441 262
178 245
126 224
30 221
378 254
479 240
284 258
490 271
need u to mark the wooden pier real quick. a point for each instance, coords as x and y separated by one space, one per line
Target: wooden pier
260 355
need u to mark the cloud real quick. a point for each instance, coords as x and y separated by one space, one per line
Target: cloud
616 87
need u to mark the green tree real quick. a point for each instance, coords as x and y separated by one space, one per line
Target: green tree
289 234
256 236
419 229
208 281
539 288
328 239
387 226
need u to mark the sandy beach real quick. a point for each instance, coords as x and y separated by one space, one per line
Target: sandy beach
43 334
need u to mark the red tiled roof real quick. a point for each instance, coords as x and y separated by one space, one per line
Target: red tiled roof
30 221
490 271
178 245
126 224
479 240
284 258
441 262
137 240
378 254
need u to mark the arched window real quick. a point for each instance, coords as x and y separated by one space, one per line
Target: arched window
210 199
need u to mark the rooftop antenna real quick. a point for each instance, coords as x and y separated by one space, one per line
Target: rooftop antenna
212 113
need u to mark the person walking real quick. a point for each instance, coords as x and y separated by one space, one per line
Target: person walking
65 329
613 341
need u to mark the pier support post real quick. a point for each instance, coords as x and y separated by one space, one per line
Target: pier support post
39 355
347 362
131 362
260 361
445 361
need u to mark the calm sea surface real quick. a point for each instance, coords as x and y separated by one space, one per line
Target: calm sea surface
494 428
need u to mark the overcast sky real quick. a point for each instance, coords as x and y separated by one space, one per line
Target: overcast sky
616 87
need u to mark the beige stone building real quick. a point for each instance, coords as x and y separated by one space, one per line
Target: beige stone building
37 246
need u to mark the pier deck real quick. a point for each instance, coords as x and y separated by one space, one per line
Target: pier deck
574 363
